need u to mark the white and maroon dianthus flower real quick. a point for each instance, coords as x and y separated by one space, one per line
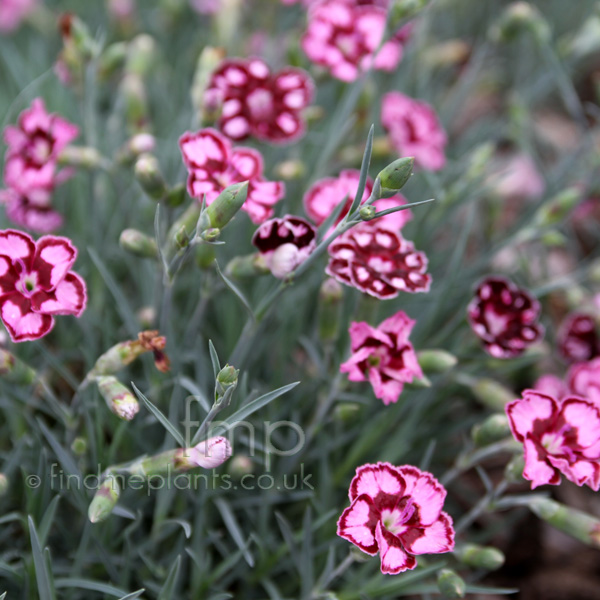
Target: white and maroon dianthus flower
285 243
213 164
396 511
504 317
378 262
33 211
324 195
384 356
36 283
558 436
414 130
253 101
578 339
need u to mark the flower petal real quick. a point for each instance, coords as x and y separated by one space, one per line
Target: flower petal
394 559
17 245
426 491
537 470
524 412
373 479
54 257
435 538
357 524
21 322
68 298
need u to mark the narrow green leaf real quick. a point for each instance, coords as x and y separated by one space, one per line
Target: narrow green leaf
168 590
13 516
252 407
185 525
160 417
332 218
364 172
93 586
389 211
133 595
191 387
3 596
42 575
158 239
234 529
236 291
47 520
288 536
307 557
214 357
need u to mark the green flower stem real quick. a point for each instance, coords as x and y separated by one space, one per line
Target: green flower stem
488 503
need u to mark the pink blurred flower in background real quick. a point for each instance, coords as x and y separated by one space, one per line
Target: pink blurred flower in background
253 101
12 12
213 164
378 262
285 243
206 7
504 317
345 37
584 380
396 512
384 356
30 170
577 338
414 130
36 283
557 437
551 385
324 195
516 176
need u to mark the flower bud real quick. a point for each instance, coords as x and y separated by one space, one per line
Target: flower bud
141 56
518 18
513 472
104 500
493 429
422 382
290 169
205 256
133 91
227 380
118 398
138 243
147 172
450 584
346 411
15 370
182 240
112 59
436 361
250 265
576 523
140 143
225 206
81 156
79 446
240 465
208 61
557 208
367 212
211 234
4 485
331 295
396 174
480 557
187 220
176 195
492 394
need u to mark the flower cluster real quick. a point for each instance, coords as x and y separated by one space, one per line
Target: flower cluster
384 356
253 101
396 511
414 130
213 164
36 283
504 317
346 37
378 262
558 436
30 169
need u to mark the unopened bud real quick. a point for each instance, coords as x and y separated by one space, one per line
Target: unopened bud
513 472
14 370
554 239
205 256
148 174
422 382
493 429
240 465
182 239
79 446
112 59
227 380
480 557
80 156
447 54
557 208
225 206
331 295
396 174
133 91
211 234
479 161
176 195
104 500
346 411
4 484
290 169
450 584
250 265
576 523
518 18
141 56
187 220
367 212
436 361
492 394
138 243
118 398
